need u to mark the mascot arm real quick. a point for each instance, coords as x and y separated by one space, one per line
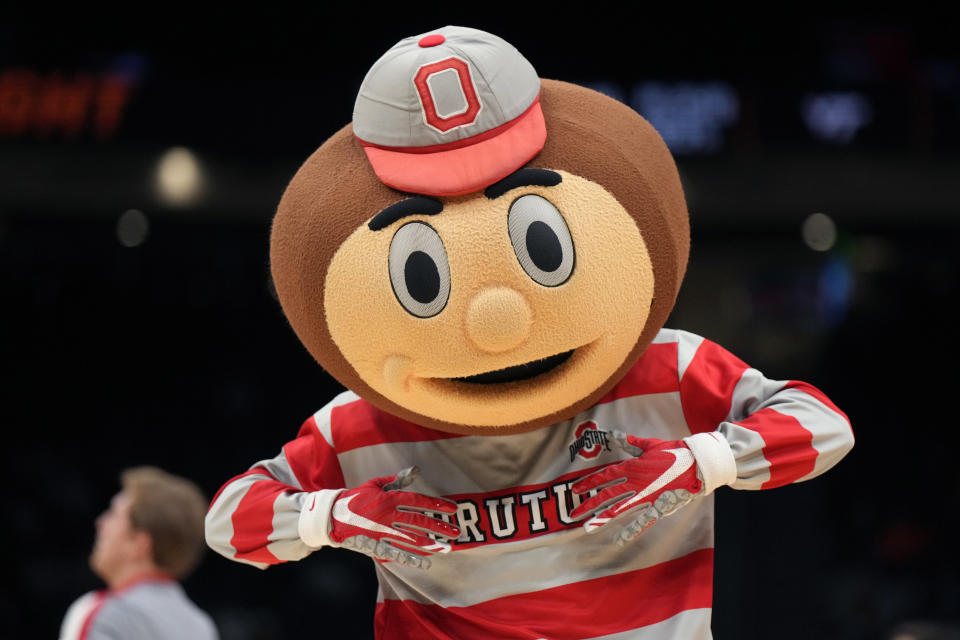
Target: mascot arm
284 508
778 431
254 517
747 431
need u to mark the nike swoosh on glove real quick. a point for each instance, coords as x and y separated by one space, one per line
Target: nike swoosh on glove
380 520
664 476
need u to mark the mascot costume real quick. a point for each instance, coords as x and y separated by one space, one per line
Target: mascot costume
485 260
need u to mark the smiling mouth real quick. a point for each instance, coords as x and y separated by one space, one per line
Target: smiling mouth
519 372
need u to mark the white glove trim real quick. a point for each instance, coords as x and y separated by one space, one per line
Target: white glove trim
314 523
715 460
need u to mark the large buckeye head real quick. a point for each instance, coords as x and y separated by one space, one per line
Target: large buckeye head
498 311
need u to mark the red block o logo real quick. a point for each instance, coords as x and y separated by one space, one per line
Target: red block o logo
430 114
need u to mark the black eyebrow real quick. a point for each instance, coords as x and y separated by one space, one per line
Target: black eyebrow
417 205
523 178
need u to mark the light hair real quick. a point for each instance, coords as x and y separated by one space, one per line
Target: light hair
171 509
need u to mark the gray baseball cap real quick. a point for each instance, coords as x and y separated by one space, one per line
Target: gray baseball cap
449 112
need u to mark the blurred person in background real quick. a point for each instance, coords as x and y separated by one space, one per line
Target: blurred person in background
149 539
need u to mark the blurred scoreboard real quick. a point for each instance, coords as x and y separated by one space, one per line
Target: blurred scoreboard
122 99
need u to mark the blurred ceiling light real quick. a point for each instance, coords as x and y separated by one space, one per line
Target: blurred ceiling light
836 116
819 232
690 116
835 290
132 228
179 177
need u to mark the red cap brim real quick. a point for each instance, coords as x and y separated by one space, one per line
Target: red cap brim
463 166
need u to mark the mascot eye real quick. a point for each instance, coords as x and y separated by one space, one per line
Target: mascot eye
419 272
541 240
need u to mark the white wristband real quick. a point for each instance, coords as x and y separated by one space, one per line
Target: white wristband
314 523
714 459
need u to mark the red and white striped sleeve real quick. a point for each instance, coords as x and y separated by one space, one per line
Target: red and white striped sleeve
779 431
254 517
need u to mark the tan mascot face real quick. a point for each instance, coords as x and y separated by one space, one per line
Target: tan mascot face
507 308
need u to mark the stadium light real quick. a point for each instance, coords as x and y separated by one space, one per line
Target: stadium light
819 232
179 177
132 228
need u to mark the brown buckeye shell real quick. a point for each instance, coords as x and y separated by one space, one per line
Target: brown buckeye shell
588 134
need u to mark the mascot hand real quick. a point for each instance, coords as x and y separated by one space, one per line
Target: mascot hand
664 476
380 520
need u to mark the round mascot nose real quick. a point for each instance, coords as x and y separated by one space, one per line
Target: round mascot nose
498 319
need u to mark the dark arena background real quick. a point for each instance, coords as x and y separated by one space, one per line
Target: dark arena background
143 155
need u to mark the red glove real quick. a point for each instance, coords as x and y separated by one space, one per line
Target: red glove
661 479
381 521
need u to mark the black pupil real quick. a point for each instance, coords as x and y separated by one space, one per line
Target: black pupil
543 245
422 277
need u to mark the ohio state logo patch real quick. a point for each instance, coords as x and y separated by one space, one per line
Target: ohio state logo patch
590 441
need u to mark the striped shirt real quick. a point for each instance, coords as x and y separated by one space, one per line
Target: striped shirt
522 568
151 608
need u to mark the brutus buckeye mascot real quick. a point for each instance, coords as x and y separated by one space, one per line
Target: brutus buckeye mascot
485 260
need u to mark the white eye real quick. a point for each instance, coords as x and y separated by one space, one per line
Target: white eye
541 240
419 272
